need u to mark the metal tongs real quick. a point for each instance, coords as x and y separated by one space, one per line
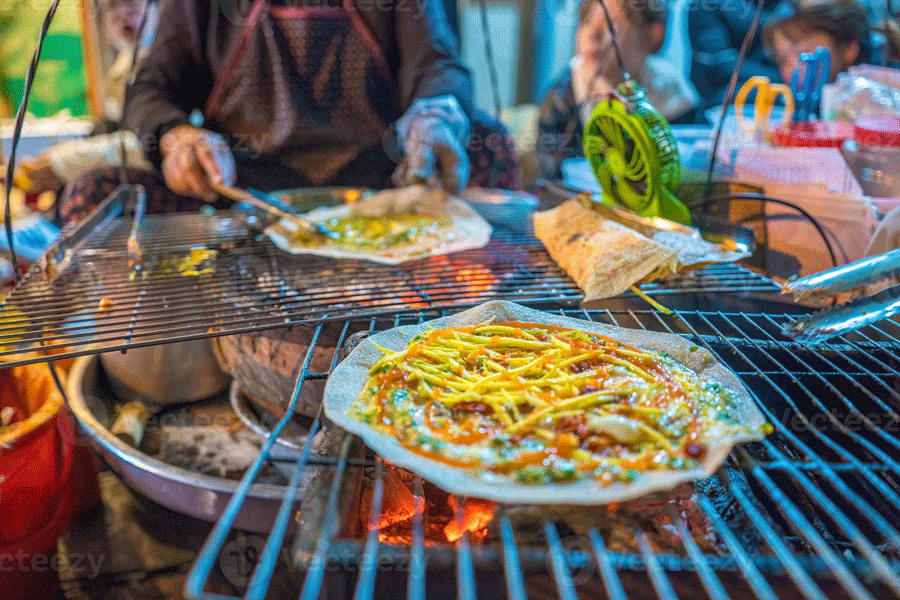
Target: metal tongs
133 245
274 206
849 316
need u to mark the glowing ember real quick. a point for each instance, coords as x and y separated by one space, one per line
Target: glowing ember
476 516
477 278
398 504
437 507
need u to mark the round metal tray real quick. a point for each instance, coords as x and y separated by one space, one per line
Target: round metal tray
201 496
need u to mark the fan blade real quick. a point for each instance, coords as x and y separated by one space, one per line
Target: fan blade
639 171
613 133
636 159
629 197
605 179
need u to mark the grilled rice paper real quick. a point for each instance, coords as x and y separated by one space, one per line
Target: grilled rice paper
606 256
389 227
345 397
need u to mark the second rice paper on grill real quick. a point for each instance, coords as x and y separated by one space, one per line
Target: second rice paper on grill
456 227
349 378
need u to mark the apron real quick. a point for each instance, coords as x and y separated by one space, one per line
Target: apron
308 86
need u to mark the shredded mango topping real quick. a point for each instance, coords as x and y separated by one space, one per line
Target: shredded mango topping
539 403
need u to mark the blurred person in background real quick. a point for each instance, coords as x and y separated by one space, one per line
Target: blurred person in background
594 72
841 26
58 165
717 29
331 92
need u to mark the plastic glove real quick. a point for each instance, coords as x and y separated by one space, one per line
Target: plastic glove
194 159
32 235
70 159
431 134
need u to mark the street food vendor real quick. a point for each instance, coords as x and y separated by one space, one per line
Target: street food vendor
292 95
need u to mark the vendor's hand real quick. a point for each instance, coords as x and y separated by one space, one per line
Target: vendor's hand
194 160
431 135
37 176
433 155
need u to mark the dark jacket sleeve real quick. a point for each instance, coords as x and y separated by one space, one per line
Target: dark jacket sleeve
559 128
716 34
174 78
429 60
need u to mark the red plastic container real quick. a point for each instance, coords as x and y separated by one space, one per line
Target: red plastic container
812 134
38 458
877 131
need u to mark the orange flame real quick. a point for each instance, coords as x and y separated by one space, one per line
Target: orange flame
438 510
476 516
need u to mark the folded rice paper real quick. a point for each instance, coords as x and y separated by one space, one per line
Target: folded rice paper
347 381
444 225
602 256
605 254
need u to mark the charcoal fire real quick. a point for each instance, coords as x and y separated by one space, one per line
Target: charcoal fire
616 522
440 523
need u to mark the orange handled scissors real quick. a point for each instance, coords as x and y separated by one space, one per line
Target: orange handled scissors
766 94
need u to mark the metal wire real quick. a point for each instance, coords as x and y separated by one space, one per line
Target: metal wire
822 502
100 303
17 133
729 95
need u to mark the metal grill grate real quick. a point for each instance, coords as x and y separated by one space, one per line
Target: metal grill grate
250 285
809 512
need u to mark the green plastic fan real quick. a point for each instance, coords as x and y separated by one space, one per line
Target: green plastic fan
634 154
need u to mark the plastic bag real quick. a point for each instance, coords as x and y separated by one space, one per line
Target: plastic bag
860 94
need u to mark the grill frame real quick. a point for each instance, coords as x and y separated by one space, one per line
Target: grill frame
253 286
820 571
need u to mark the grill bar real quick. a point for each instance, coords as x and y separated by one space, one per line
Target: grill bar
99 304
710 582
561 574
806 529
611 580
883 388
849 457
757 582
313 582
801 578
416 587
884 570
259 584
884 435
515 584
661 582
823 501
205 561
465 570
365 589
860 541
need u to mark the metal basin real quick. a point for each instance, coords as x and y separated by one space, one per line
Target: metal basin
166 374
201 496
